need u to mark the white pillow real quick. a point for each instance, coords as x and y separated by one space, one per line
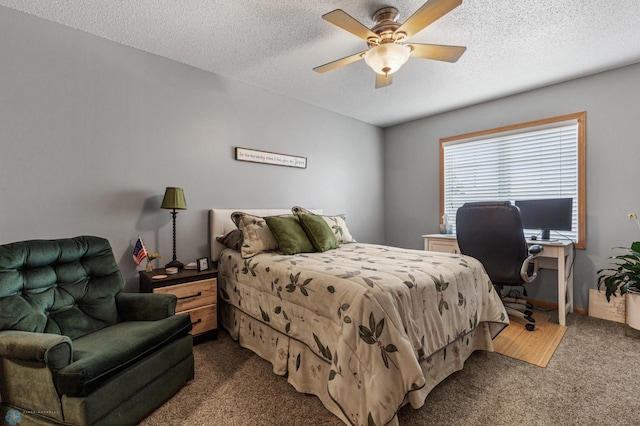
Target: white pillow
257 237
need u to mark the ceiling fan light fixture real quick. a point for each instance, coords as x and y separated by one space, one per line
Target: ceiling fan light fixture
387 58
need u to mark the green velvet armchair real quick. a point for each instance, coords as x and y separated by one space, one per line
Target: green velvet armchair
74 348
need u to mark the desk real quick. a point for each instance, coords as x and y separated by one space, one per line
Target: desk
556 255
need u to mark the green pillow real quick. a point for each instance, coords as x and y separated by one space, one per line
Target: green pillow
318 231
290 236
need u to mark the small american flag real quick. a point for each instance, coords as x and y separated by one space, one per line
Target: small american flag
139 251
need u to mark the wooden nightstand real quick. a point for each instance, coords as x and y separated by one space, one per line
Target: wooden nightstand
446 243
197 294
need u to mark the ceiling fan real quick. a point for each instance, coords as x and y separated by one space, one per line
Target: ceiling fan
387 48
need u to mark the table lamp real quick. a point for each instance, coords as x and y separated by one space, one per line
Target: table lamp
174 200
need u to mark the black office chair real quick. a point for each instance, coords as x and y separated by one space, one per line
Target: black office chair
492 233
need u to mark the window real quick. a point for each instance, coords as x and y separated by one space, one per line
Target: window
538 159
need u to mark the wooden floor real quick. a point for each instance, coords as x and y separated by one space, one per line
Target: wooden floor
535 347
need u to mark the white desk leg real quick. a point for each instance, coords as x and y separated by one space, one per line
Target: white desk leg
569 264
562 289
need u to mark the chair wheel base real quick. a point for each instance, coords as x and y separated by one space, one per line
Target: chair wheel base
530 318
530 327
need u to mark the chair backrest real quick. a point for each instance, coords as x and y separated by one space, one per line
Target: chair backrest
65 286
492 233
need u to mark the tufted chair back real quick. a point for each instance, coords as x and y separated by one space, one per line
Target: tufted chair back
65 286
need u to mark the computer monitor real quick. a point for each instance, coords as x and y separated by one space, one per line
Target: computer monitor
546 214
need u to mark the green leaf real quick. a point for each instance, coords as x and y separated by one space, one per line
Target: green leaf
372 322
624 275
265 316
332 374
324 350
224 293
442 306
370 421
385 358
366 335
379 328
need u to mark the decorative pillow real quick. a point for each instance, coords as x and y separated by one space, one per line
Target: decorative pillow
338 224
232 240
290 236
256 235
319 233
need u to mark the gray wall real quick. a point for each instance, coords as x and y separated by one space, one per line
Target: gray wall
93 131
613 152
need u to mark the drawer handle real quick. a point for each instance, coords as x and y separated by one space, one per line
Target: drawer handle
197 322
190 297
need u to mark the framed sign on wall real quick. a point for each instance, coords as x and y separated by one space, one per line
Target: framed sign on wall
266 157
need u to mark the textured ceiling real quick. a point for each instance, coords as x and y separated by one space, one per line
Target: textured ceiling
512 46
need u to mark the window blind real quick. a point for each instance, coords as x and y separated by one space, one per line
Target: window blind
527 164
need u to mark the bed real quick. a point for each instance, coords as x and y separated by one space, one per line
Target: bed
366 328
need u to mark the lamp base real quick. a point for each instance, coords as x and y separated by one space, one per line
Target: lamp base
174 264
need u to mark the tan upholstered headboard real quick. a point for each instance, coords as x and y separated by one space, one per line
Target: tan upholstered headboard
220 223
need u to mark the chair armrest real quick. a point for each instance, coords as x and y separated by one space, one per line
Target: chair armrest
535 249
145 306
54 350
534 253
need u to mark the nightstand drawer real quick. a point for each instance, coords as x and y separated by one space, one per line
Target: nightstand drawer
203 319
196 293
192 295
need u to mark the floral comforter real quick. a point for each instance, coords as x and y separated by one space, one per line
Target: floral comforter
373 313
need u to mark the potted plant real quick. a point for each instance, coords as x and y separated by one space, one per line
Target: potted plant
624 278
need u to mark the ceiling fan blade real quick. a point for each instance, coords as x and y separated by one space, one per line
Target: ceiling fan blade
341 19
430 12
437 52
383 80
339 62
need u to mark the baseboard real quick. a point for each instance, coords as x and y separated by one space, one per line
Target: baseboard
554 306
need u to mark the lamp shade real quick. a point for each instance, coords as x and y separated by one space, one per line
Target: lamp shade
387 58
174 199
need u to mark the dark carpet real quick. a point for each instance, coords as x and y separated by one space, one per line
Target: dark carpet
592 379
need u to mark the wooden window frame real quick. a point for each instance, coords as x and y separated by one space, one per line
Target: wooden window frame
581 118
